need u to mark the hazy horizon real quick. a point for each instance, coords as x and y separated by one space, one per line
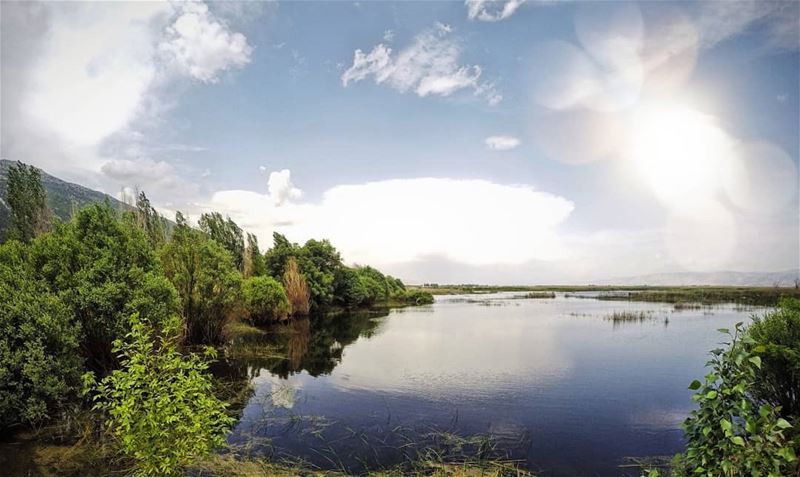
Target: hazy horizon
505 142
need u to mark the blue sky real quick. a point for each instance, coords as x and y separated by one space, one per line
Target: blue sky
494 141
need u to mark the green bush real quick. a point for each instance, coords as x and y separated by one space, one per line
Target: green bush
417 297
264 299
730 435
159 406
778 332
39 362
95 264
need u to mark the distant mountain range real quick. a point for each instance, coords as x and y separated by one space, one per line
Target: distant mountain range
62 197
767 279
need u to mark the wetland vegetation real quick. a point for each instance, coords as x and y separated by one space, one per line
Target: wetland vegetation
132 345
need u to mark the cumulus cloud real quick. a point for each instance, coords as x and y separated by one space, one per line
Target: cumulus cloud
84 80
467 221
429 66
502 143
280 187
202 46
491 10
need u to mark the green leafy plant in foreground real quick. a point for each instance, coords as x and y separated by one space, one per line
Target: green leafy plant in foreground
159 405
729 435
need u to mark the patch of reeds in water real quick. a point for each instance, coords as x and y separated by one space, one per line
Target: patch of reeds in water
629 316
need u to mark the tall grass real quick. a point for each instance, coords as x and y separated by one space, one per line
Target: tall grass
296 289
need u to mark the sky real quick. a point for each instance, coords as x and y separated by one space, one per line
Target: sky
456 142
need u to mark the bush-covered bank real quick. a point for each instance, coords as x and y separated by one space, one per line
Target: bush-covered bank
124 299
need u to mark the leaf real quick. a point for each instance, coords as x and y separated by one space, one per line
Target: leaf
756 360
711 395
695 385
737 440
783 423
725 425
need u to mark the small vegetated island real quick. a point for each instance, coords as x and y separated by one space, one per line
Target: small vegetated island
109 321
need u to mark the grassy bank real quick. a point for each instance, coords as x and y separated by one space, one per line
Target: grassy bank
703 295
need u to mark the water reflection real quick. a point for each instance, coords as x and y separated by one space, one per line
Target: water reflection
291 348
551 382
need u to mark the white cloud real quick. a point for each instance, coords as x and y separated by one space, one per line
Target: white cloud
502 143
202 46
87 83
281 188
388 36
429 66
467 221
140 171
491 10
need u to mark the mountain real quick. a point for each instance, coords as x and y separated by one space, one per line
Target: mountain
62 197
767 279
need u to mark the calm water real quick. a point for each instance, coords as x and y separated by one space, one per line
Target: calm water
552 381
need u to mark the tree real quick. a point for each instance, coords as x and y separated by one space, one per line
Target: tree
159 405
96 264
149 220
208 284
254 264
39 362
317 261
27 200
264 299
226 233
296 288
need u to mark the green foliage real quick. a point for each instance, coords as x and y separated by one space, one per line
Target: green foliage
226 233
264 299
39 362
96 264
418 297
254 264
318 262
206 279
778 332
28 203
349 290
729 435
160 406
153 224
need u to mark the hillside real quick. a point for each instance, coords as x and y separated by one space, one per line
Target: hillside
62 197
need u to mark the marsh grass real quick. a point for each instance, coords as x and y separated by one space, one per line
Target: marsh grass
630 316
539 295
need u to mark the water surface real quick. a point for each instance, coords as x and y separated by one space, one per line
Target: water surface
553 382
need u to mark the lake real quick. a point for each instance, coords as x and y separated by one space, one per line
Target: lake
553 383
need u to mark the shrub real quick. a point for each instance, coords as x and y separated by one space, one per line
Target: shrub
264 299
729 435
296 288
95 264
418 297
39 361
159 406
778 332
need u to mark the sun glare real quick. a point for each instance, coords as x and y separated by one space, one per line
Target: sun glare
679 153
